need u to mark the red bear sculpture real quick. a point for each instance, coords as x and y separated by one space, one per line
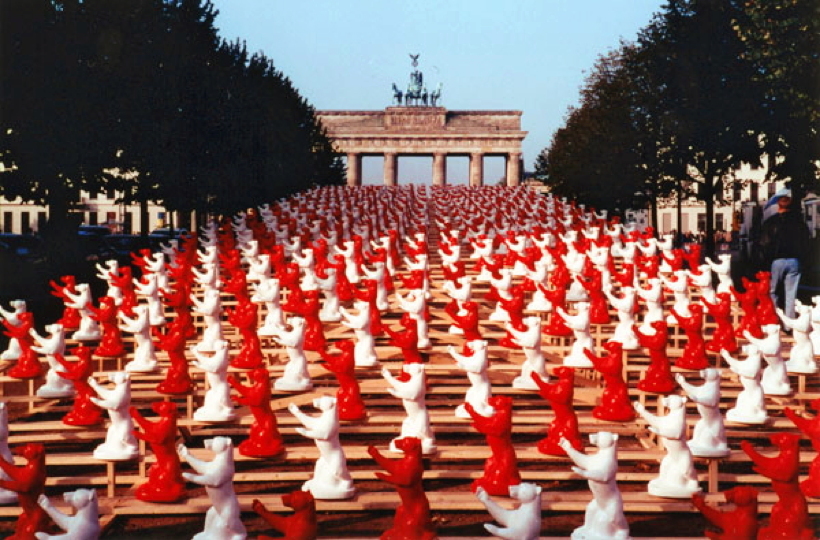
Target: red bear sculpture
165 482
245 318
28 481
264 440
811 428
694 352
84 412
111 344
412 520
501 468
177 377
71 316
748 303
598 306
565 424
740 523
407 340
27 366
301 525
615 403
790 514
766 313
348 396
658 377
724 336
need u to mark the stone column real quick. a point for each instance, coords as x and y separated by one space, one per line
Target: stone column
354 169
513 168
391 169
477 169
439 169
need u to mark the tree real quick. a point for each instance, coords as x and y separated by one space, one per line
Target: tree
148 89
52 127
705 96
782 41
593 157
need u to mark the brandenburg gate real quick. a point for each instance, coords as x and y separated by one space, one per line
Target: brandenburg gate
426 131
412 128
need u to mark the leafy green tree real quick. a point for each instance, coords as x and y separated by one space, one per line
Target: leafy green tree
782 41
147 88
592 158
705 96
52 127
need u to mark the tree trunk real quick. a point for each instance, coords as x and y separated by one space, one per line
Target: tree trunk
145 227
679 235
709 201
60 220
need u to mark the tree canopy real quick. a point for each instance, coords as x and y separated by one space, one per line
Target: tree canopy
148 87
708 85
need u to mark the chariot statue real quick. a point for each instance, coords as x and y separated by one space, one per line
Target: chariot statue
416 93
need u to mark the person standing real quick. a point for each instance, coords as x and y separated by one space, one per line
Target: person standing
784 242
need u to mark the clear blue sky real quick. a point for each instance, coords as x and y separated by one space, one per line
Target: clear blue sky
527 55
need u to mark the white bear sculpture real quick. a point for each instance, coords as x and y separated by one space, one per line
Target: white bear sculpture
775 379
604 517
364 351
412 393
709 436
475 364
530 342
52 346
223 519
677 478
750 407
331 479
120 443
84 524
295 377
217 405
521 523
801 357
145 356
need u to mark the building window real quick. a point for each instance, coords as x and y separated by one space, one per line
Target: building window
25 226
701 221
42 219
772 189
719 224
92 218
737 191
754 194
8 222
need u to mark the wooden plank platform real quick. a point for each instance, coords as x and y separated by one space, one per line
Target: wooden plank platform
461 452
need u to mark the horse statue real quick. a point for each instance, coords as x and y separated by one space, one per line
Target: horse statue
424 96
397 94
435 95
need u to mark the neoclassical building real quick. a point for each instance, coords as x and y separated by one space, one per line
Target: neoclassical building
427 131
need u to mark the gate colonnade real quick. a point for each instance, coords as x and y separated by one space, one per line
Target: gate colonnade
426 131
